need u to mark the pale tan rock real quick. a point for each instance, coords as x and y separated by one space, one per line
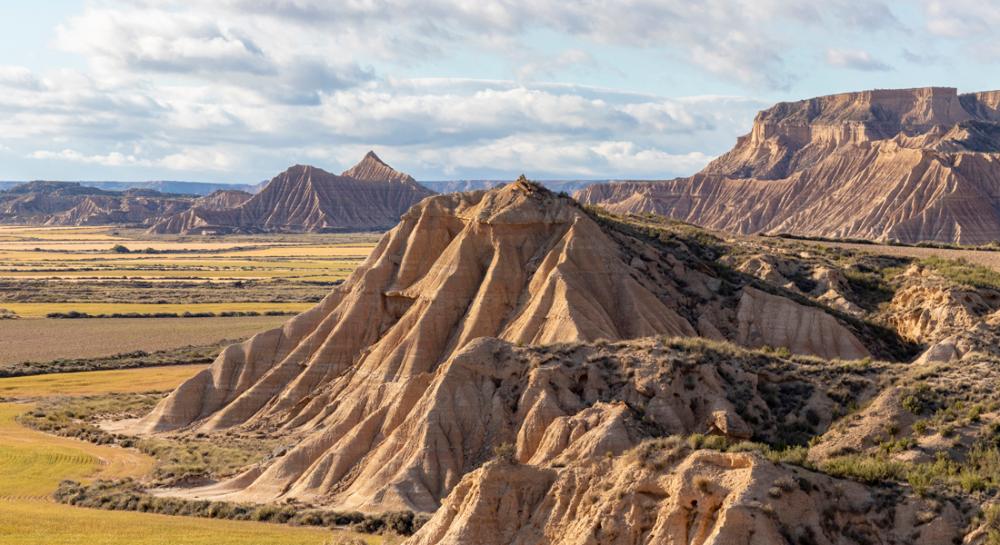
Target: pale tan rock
770 320
661 494
927 308
393 387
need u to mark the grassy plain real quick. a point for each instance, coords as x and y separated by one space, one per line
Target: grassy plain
40 310
33 463
151 379
983 258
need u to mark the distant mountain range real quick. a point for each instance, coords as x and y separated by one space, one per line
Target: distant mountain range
181 188
206 188
369 196
455 186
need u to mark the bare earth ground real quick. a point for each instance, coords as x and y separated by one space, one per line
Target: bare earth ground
49 339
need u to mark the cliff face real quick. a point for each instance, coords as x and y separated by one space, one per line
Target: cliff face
369 196
907 165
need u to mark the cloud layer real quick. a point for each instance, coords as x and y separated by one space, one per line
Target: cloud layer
237 89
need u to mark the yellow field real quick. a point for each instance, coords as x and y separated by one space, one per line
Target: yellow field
85 253
39 310
149 379
39 523
32 464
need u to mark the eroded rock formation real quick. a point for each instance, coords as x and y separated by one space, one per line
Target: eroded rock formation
661 492
392 393
926 161
369 196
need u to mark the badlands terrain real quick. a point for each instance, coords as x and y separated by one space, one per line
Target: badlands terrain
927 161
368 196
513 366
508 366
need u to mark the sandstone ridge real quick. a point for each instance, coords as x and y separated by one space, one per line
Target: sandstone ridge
926 160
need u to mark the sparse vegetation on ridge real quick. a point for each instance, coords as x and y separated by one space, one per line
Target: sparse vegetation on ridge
127 495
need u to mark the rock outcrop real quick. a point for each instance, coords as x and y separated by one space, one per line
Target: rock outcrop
661 492
770 320
391 391
926 161
370 196
222 199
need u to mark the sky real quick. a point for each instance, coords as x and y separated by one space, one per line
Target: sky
238 90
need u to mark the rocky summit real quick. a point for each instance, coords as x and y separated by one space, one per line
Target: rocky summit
370 196
906 165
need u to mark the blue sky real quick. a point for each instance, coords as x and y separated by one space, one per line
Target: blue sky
237 90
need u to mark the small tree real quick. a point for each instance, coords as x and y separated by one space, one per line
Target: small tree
119 249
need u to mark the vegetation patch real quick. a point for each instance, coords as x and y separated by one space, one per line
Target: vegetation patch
183 355
963 272
128 495
179 459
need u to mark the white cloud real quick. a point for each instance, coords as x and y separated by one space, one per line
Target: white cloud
18 77
112 159
246 87
855 59
962 18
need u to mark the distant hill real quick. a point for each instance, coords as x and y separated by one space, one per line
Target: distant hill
909 165
458 186
70 203
181 188
369 196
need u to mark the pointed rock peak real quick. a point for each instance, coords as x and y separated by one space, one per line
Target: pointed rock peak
370 156
524 184
373 169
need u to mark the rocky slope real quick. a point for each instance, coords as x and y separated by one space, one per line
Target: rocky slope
530 371
222 199
926 160
408 376
661 492
369 196
69 203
